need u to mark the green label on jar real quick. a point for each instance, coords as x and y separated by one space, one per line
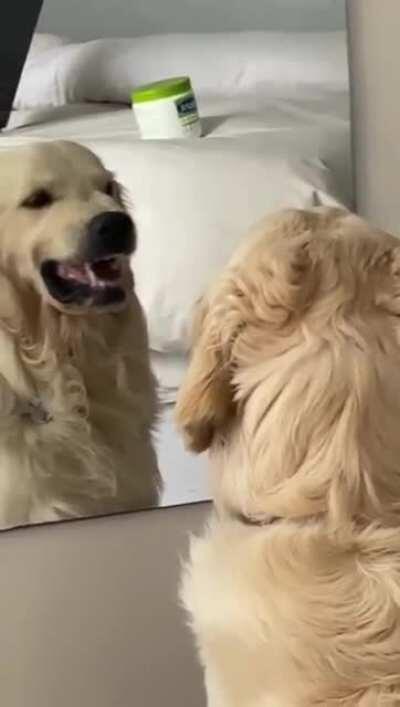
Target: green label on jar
187 109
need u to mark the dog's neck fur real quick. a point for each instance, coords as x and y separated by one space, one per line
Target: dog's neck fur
317 434
91 374
43 333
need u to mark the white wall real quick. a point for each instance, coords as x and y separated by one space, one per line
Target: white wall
107 18
375 53
89 613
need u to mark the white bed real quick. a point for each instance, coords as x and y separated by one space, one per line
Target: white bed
265 146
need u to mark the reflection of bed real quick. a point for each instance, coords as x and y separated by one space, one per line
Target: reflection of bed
265 147
310 128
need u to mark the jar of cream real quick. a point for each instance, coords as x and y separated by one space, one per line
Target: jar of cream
167 109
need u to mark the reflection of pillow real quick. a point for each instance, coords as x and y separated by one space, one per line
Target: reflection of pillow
219 63
43 42
192 203
31 92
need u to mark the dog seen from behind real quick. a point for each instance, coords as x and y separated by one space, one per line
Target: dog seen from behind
77 397
294 387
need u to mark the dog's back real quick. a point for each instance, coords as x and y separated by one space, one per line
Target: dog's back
286 615
294 385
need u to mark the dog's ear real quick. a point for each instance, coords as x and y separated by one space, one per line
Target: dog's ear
205 400
122 196
251 301
281 283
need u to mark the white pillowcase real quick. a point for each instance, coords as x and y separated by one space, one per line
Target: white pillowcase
42 42
192 202
107 70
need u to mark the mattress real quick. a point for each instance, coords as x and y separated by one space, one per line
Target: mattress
185 475
311 123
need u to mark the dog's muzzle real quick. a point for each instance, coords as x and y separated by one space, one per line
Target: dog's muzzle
97 276
110 233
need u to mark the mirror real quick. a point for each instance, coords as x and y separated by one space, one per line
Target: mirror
83 434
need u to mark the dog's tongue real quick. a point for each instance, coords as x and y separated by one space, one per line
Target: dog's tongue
106 270
97 274
79 273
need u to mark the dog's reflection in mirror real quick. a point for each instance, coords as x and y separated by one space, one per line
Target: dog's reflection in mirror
77 396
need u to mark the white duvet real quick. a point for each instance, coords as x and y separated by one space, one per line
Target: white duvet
266 146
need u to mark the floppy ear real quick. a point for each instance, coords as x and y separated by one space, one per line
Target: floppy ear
122 196
250 301
205 400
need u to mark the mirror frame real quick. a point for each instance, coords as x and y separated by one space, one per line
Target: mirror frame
15 38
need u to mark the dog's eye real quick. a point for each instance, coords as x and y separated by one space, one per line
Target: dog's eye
38 200
110 188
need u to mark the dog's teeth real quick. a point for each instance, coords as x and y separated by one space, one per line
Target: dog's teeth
91 276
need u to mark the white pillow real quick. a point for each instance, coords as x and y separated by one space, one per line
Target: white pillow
42 42
107 70
37 86
192 202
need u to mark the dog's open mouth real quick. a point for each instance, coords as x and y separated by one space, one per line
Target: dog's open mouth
97 283
97 275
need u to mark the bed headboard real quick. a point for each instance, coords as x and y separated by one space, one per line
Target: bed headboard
101 18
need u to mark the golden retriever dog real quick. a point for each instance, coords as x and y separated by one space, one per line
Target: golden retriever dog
77 396
294 387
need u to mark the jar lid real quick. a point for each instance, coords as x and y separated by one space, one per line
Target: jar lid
161 89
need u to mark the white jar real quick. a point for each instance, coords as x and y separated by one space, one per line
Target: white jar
167 109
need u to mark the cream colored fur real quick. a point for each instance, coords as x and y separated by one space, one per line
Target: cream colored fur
90 370
294 386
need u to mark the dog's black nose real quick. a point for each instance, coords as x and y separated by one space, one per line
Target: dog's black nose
110 233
